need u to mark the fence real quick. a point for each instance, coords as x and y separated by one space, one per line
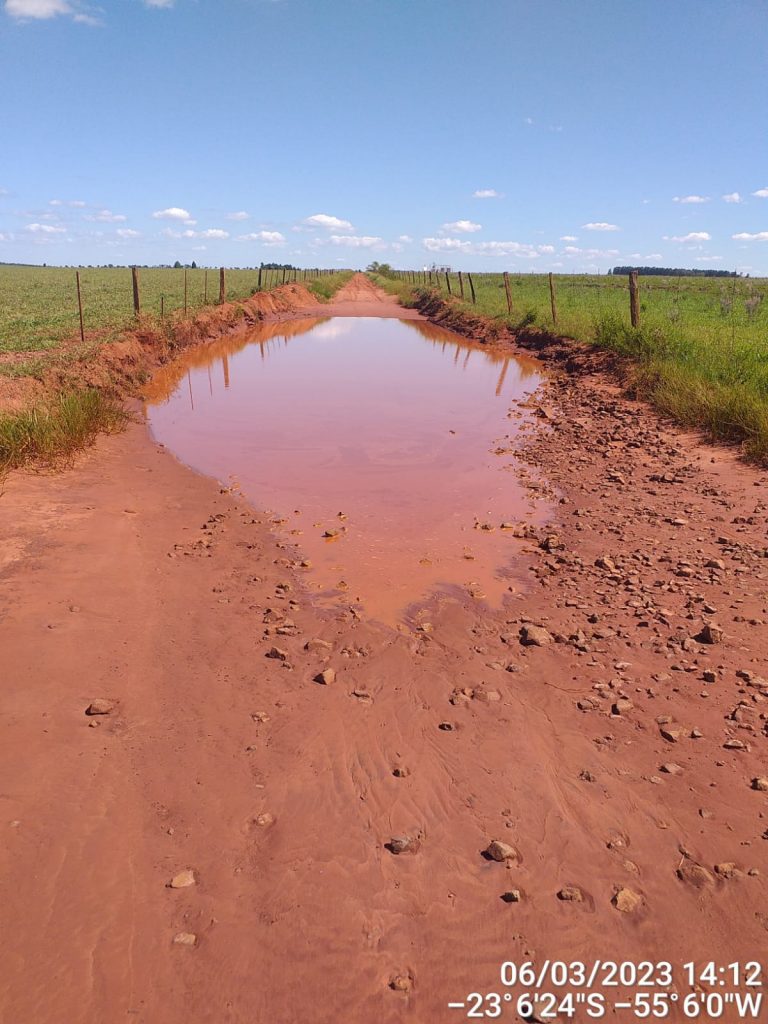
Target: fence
41 305
731 311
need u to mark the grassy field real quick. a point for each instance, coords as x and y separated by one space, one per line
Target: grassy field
38 305
700 353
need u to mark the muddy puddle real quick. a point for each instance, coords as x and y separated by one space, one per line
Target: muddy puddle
381 449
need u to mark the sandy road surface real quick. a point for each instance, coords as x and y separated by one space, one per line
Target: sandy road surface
129 578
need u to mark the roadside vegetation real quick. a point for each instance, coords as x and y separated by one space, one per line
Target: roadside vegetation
41 348
699 354
50 432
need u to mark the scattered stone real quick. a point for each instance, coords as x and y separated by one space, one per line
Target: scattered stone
403 844
621 707
401 772
670 768
512 896
570 894
183 880
446 726
401 982
736 745
100 706
535 636
695 875
264 820
710 634
627 900
277 653
317 645
185 939
726 870
326 677
501 852
715 563
709 676
670 735
760 784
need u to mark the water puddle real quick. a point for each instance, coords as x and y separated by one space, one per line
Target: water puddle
381 448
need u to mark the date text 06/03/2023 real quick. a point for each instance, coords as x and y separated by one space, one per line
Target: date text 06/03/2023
637 991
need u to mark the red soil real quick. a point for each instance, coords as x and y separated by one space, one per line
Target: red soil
130 579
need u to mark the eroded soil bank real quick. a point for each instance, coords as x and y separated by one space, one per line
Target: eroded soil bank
615 754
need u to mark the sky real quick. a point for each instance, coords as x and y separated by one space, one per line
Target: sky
525 135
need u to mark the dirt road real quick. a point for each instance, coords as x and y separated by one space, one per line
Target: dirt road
612 748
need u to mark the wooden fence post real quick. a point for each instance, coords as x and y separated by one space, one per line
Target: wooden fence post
448 282
634 299
162 307
552 299
259 281
461 286
509 293
185 291
136 297
205 290
222 286
471 288
80 305
283 281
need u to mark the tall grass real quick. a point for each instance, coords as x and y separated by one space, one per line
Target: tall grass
700 354
324 288
52 431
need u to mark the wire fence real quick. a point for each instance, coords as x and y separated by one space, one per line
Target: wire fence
41 305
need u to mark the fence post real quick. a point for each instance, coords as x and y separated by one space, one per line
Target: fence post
162 307
205 290
634 299
552 299
461 286
509 293
222 286
448 282
80 305
185 291
136 298
471 288
259 281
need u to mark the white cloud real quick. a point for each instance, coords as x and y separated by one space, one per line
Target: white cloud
568 238
4 192
486 193
5 237
107 217
653 256
357 241
240 215
267 237
690 199
480 248
404 238
37 8
529 120
128 233
462 226
211 233
693 236
77 203
173 213
55 202
574 250
545 248
325 220
762 193
708 259
745 236
600 225
159 3
45 229
732 197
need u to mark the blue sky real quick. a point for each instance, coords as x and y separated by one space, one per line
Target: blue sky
564 135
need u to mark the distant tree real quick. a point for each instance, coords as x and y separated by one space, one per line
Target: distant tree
194 265
674 272
177 265
384 269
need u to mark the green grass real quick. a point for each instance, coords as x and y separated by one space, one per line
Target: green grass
38 305
324 288
700 353
53 431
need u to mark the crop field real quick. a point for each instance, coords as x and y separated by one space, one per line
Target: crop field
700 350
39 308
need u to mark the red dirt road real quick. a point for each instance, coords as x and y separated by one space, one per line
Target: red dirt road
131 579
